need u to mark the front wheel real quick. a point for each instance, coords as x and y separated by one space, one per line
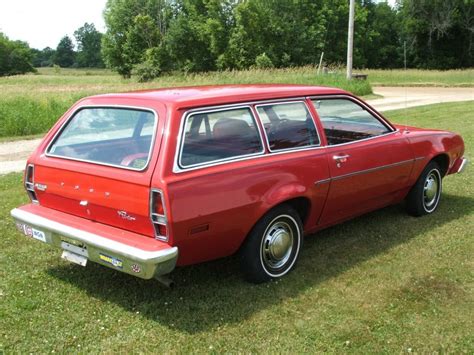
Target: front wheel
424 197
273 245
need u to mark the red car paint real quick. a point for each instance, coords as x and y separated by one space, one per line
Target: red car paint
210 210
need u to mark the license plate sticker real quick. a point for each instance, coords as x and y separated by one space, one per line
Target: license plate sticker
31 232
39 235
111 260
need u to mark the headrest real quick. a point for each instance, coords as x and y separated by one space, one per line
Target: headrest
226 127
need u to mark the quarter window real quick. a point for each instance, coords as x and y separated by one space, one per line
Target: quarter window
219 135
345 121
288 125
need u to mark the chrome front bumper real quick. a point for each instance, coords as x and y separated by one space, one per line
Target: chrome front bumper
81 245
463 165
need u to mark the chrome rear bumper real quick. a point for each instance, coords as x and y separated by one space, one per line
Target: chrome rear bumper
82 244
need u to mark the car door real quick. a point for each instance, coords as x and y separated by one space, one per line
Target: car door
369 161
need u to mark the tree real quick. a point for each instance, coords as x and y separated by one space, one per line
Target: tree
15 57
88 46
149 37
65 54
133 27
440 33
198 33
44 57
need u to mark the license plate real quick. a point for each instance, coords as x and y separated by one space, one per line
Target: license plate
31 232
74 258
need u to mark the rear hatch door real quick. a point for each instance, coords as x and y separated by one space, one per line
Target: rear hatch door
100 163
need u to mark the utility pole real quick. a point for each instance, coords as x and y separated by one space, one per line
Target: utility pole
350 39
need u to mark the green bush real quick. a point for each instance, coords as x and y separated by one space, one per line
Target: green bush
146 71
263 61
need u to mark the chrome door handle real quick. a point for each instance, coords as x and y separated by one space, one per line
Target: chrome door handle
341 158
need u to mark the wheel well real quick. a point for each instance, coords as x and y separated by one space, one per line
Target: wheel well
301 205
443 161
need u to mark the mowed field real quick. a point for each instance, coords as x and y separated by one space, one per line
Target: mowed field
381 283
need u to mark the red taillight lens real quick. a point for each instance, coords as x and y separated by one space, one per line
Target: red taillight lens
162 230
159 208
158 215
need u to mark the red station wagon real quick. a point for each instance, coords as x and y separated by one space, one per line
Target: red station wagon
142 182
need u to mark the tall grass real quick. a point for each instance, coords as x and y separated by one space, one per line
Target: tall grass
30 104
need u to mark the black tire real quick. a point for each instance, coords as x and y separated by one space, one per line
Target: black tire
425 195
273 246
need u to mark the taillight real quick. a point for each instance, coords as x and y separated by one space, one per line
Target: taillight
30 182
158 215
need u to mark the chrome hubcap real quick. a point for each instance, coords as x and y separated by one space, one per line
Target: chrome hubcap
277 245
431 189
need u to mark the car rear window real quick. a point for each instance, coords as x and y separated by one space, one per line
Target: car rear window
218 136
120 137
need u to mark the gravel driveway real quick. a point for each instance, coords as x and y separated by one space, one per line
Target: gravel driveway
13 154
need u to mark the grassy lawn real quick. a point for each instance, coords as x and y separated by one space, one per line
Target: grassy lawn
384 282
415 77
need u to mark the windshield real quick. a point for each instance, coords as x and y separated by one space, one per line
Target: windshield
119 137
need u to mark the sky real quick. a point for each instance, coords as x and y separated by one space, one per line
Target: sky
42 23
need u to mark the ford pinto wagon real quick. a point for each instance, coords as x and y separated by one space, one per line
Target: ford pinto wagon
146 181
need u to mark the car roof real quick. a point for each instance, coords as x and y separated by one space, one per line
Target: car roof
193 96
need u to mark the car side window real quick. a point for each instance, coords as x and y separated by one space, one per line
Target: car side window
344 121
219 135
288 125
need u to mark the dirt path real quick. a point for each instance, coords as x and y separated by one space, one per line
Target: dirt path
13 154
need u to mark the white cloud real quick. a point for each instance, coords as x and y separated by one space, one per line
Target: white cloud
42 23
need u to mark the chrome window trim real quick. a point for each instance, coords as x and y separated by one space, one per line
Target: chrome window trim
250 157
247 103
69 118
285 103
178 167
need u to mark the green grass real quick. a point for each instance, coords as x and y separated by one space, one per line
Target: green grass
382 283
30 104
416 77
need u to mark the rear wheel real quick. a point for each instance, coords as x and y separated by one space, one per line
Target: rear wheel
424 197
273 245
